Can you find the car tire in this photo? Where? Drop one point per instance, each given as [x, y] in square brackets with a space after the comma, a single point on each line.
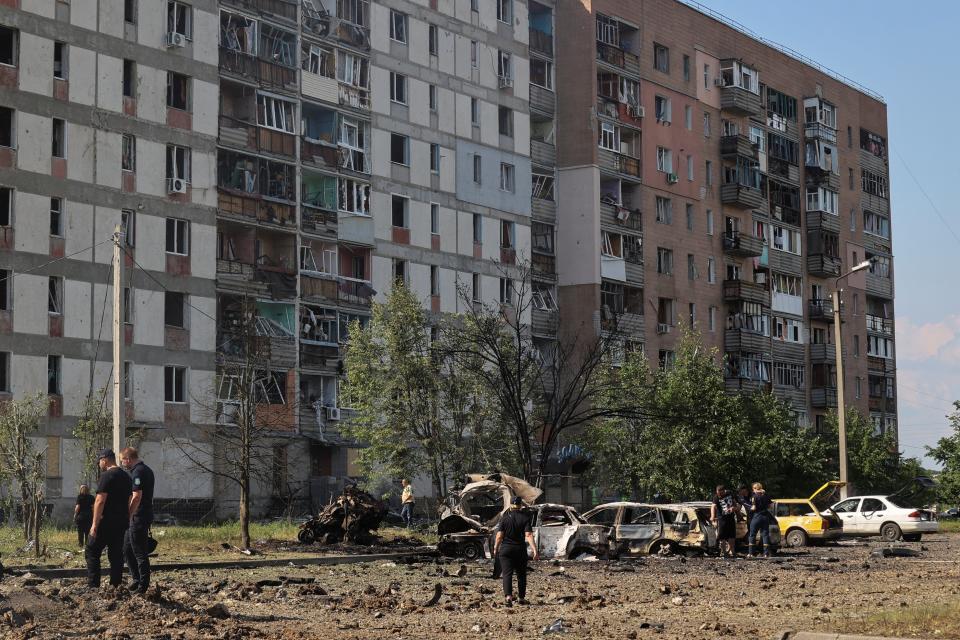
[890, 532]
[797, 538]
[912, 537]
[471, 551]
[662, 548]
[306, 536]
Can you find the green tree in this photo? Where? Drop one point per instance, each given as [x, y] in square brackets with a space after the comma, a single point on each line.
[94, 431]
[947, 454]
[874, 465]
[22, 461]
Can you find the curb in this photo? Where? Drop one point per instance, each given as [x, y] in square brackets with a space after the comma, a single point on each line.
[234, 564]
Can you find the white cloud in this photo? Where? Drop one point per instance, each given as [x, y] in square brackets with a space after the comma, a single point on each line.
[918, 342]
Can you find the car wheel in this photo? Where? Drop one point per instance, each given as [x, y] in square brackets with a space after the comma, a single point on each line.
[306, 536]
[472, 551]
[661, 548]
[913, 537]
[890, 532]
[797, 538]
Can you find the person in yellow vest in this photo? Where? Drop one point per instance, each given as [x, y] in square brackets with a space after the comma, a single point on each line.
[406, 503]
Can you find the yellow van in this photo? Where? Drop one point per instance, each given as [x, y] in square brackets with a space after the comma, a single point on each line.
[801, 520]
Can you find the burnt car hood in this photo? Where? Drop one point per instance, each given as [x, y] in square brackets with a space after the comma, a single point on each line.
[456, 523]
[520, 487]
[456, 519]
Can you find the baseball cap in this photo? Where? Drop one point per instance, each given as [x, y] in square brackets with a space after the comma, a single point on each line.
[106, 453]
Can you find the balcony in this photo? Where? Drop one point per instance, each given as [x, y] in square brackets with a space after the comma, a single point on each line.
[355, 292]
[823, 266]
[879, 286]
[740, 196]
[541, 42]
[544, 267]
[240, 277]
[540, 208]
[880, 365]
[256, 208]
[823, 397]
[280, 351]
[817, 177]
[543, 153]
[747, 341]
[821, 309]
[823, 221]
[736, 384]
[740, 101]
[738, 145]
[882, 405]
[286, 9]
[620, 217]
[742, 246]
[319, 356]
[323, 290]
[619, 58]
[783, 169]
[249, 68]
[820, 131]
[318, 221]
[877, 324]
[741, 290]
[542, 99]
[824, 353]
[618, 163]
[319, 154]
[543, 322]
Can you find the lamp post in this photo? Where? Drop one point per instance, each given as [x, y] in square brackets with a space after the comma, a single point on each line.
[841, 408]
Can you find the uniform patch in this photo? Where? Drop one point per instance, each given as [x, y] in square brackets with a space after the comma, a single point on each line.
[136, 481]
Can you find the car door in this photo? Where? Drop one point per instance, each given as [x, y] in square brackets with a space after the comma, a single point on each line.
[606, 517]
[552, 531]
[639, 525]
[849, 512]
[871, 516]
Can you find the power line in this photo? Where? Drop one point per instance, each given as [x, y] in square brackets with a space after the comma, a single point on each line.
[927, 196]
[54, 261]
[916, 390]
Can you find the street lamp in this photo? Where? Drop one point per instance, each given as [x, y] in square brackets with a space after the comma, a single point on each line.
[841, 409]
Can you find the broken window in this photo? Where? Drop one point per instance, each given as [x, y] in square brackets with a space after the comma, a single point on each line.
[399, 208]
[238, 33]
[173, 309]
[8, 46]
[54, 365]
[354, 71]
[277, 46]
[178, 236]
[399, 149]
[433, 36]
[788, 329]
[398, 88]
[128, 153]
[664, 261]
[876, 224]
[178, 91]
[236, 171]
[541, 237]
[6, 127]
[608, 30]
[504, 65]
[354, 11]
[274, 113]
[4, 369]
[873, 183]
[129, 79]
[874, 143]
[55, 295]
[505, 10]
[664, 209]
[398, 26]
[611, 299]
[179, 19]
[277, 180]
[127, 226]
[543, 297]
[640, 515]
[60, 60]
[506, 121]
[59, 139]
[174, 384]
[319, 61]
[354, 197]
[130, 11]
[353, 142]
[320, 191]
[781, 104]
[543, 186]
[662, 109]
[661, 58]
[56, 217]
[319, 325]
[507, 177]
[506, 291]
[611, 244]
[178, 163]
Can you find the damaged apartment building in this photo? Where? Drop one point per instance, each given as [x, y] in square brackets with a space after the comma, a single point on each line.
[289, 160]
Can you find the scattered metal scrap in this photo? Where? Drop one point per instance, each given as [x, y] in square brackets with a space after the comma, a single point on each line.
[351, 518]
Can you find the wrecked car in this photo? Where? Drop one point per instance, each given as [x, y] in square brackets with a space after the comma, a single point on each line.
[352, 517]
[805, 521]
[468, 526]
[639, 528]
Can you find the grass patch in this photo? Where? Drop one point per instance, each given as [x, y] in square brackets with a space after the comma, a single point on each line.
[935, 620]
[949, 526]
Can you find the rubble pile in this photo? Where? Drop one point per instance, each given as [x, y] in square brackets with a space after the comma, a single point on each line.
[350, 518]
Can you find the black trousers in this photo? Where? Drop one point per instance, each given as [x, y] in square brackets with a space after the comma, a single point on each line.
[83, 530]
[513, 559]
[109, 537]
[135, 551]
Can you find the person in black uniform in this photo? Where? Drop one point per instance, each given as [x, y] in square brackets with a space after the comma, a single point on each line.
[141, 517]
[510, 547]
[110, 519]
[83, 514]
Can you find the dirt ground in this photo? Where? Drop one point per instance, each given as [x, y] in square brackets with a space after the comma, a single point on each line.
[840, 587]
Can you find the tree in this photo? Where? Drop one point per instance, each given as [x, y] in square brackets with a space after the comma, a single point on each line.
[417, 403]
[545, 390]
[22, 461]
[236, 444]
[874, 465]
[947, 454]
[94, 431]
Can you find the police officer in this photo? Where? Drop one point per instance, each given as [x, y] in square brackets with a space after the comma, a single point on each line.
[141, 517]
[110, 519]
[513, 534]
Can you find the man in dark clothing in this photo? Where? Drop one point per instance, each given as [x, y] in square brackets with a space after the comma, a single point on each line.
[141, 517]
[83, 515]
[760, 521]
[513, 534]
[110, 519]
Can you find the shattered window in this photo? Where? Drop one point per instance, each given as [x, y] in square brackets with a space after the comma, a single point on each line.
[554, 518]
[278, 46]
[640, 515]
[238, 33]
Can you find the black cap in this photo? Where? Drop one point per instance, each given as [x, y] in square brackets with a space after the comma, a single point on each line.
[106, 453]
[517, 501]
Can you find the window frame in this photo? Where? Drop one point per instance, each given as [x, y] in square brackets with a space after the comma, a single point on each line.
[172, 21]
[175, 384]
[177, 230]
[399, 23]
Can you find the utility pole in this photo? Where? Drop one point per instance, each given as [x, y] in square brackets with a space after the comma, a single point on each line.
[118, 341]
[841, 409]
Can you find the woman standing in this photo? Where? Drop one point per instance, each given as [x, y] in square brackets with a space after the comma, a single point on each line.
[510, 546]
[723, 514]
[83, 514]
[760, 520]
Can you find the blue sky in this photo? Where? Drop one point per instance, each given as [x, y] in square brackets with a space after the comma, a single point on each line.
[900, 51]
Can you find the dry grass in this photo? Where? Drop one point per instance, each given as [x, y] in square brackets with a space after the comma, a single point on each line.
[949, 526]
[929, 621]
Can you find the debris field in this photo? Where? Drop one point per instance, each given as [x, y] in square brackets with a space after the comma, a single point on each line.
[815, 589]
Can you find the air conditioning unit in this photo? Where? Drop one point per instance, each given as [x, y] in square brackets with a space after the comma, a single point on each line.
[333, 413]
[637, 112]
[663, 328]
[175, 39]
[176, 185]
[718, 82]
[505, 81]
[672, 178]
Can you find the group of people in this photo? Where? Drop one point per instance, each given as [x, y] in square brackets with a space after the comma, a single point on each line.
[118, 519]
[754, 506]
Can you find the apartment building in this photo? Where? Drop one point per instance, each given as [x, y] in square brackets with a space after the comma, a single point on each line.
[108, 117]
[707, 178]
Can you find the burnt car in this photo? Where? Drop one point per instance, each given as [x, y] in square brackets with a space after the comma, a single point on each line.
[639, 528]
[468, 525]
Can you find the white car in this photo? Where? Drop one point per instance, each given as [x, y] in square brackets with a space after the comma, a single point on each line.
[886, 516]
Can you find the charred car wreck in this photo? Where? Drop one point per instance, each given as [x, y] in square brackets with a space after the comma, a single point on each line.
[468, 525]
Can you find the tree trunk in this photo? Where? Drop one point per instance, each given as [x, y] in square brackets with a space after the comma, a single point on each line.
[37, 514]
[245, 511]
